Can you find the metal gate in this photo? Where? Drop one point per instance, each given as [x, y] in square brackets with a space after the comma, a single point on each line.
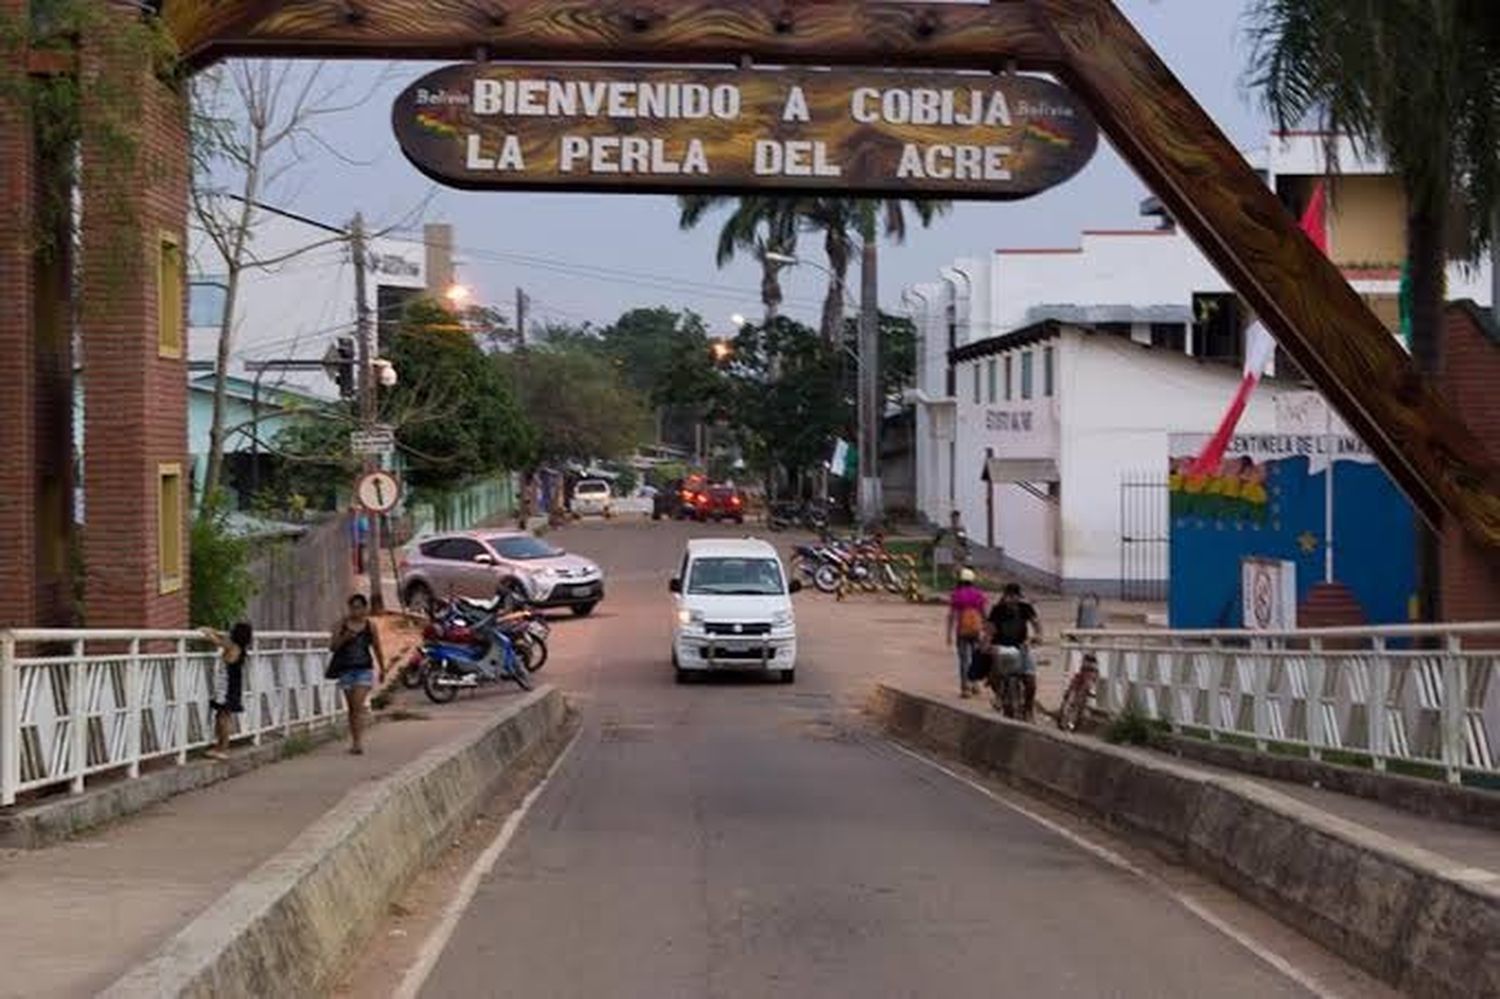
[1145, 542]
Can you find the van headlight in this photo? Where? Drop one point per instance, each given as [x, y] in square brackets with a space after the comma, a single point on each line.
[783, 620]
[689, 617]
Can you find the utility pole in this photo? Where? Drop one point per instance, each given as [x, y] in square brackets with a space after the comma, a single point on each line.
[366, 350]
[871, 507]
[521, 304]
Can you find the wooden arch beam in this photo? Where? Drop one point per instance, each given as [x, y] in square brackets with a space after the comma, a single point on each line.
[819, 32]
[1151, 118]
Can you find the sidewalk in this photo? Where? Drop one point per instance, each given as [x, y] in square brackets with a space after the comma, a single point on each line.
[80, 914]
[873, 639]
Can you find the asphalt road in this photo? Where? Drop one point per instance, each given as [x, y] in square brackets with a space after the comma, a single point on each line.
[745, 839]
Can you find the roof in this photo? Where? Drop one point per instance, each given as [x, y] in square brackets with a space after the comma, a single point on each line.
[1482, 317]
[244, 388]
[1047, 329]
[731, 547]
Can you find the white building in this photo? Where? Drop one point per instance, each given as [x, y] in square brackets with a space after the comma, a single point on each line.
[299, 306]
[1050, 379]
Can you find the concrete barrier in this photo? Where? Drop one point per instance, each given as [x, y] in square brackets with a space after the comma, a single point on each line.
[288, 927]
[1425, 924]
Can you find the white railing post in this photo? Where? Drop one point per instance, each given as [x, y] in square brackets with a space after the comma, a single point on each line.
[79, 733]
[180, 687]
[1215, 687]
[1455, 698]
[1316, 677]
[286, 690]
[1260, 665]
[10, 721]
[250, 682]
[133, 682]
[1380, 687]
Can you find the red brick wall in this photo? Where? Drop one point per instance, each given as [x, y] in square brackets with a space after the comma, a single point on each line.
[17, 355]
[1471, 383]
[135, 401]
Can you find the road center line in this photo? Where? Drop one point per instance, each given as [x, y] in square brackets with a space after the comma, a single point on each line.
[1114, 859]
[437, 941]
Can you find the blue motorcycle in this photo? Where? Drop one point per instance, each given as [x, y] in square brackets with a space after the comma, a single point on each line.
[449, 668]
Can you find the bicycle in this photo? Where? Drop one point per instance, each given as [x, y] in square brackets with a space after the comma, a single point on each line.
[1080, 691]
[1008, 681]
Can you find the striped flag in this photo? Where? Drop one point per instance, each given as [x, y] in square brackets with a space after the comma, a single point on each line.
[1260, 350]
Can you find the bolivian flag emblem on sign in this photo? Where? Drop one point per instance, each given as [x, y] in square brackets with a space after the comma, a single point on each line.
[1040, 130]
[437, 126]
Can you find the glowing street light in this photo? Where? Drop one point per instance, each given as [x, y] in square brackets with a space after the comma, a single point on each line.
[738, 320]
[721, 350]
[458, 294]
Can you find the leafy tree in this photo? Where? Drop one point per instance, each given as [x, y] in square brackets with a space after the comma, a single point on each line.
[455, 413]
[784, 396]
[577, 401]
[898, 353]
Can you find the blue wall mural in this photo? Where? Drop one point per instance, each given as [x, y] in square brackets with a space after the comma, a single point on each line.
[1267, 501]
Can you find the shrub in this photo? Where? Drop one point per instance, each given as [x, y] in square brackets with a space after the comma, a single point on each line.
[220, 564]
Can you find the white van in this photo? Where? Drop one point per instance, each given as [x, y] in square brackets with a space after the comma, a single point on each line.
[733, 610]
[593, 496]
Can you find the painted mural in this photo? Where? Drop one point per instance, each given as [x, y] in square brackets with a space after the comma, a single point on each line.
[1268, 500]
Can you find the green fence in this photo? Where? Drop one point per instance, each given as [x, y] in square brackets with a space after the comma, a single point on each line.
[462, 509]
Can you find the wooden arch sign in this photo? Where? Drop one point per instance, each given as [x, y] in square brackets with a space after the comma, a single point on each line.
[1086, 44]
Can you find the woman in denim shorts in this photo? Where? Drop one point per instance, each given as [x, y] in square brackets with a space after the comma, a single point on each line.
[356, 649]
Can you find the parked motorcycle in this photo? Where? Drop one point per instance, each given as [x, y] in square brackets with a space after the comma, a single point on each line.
[784, 516]
[450, 668]
[454, 622]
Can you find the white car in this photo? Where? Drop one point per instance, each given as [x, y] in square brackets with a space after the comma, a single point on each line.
[733, 610]
[593, 496]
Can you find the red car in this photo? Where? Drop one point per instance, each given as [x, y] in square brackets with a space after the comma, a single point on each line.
[719, 503]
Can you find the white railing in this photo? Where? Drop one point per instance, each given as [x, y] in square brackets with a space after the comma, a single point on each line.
[78, 703]
[1424, 694]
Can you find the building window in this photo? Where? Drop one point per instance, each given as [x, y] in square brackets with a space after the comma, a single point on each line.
[1027, 375]
[1169, 336]
[1048, 372]
[1010, 379]
[990, 377]
[169, 296]
[169, 524]
[977, 376]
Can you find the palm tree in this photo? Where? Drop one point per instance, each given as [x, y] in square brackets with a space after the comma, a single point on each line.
[847, 222]
[1419, 81]
[761, 225]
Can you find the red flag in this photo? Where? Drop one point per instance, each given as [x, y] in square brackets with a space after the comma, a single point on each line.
[1259, 349]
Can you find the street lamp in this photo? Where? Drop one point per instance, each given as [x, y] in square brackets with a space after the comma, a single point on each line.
[867, 360]
[458, 295]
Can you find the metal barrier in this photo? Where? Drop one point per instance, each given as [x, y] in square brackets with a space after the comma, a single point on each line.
[1422, 694]
[77, 703]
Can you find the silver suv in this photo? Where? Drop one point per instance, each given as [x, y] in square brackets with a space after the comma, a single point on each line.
[480, 564]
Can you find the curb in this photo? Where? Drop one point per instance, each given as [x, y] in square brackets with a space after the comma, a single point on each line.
[1415, 919]
[287, 928]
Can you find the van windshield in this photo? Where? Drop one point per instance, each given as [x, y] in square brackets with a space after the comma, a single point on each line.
[723, 576]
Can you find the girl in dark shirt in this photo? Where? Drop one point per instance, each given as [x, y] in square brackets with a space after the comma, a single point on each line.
[228, 694]
[356, 649]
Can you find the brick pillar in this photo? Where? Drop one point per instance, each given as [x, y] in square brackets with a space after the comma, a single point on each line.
[135, 394]
[17, 346]
[1471, 383]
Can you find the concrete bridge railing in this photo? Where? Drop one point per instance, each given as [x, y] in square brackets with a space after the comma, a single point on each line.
[79, 704]
[1426, 695]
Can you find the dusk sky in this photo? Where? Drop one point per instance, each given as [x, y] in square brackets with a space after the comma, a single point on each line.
[590, 257]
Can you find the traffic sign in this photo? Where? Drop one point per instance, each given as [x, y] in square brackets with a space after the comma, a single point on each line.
[378, 492]
[376, 440]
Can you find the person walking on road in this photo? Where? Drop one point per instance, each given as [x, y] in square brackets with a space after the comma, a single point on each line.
[356, 648]
[1014, 625]
[227, 697]
[965, 626]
